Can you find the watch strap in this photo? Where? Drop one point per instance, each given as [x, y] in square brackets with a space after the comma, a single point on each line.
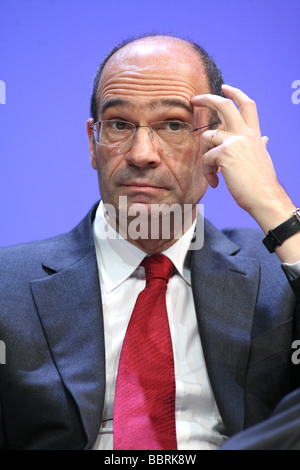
[284, 231]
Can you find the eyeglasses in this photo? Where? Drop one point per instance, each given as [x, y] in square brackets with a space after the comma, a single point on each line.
[119, 135]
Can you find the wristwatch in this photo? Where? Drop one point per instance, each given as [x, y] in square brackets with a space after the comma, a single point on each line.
[284, 231]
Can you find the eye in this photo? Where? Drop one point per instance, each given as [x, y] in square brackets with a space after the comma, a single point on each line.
[120, 125]
[174, 126]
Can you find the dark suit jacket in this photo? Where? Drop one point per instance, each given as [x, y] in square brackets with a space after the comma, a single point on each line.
[52, 385]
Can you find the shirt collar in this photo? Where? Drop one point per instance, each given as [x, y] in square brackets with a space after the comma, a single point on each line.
[118, 259]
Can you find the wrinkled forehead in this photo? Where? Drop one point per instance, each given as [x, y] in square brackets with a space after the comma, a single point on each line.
[152, 69]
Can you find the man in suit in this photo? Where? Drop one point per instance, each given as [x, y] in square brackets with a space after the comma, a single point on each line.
[66, 301]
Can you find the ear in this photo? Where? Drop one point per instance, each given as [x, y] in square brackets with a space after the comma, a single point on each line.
[91, 143]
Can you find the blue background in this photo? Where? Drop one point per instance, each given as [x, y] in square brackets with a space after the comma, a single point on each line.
[49, 53]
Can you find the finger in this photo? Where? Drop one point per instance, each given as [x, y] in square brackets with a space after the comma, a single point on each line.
[211, 177]
[213, 138]
[247, 107]
[211, 168]
[225, 108]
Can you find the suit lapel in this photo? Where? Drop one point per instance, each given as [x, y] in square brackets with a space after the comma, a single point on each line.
[225, 288]
[69, 306]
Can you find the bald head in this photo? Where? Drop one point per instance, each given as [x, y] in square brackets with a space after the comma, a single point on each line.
[166, 52]
[160, 48]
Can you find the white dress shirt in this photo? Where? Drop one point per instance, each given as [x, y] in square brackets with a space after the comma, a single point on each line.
[198, 422]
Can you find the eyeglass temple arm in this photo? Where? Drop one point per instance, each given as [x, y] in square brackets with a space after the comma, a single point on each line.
[208, 125]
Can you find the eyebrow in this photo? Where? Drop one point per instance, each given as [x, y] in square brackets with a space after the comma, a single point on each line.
[115, 102]
[170, 103]
[164, 102]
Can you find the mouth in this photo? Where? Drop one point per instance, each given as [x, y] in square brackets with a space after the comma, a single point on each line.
[144, 192]
[135, 184]
[143, 186]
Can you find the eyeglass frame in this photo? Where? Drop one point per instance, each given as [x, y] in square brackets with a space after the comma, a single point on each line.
[135, 127]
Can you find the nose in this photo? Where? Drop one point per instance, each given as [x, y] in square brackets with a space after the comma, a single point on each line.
[143, 152]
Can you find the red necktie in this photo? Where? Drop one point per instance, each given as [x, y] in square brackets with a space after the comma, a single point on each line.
[144, 409]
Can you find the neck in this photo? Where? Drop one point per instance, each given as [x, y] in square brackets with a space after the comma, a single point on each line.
[152, 247]
[154, 233]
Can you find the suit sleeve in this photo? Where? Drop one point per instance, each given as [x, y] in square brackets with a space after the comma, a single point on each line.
[292, 272]
[279, 432]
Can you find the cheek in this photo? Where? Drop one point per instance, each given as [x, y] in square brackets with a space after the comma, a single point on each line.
[188, 162]
[106, 167]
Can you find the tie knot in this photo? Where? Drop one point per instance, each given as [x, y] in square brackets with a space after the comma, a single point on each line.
[158, 267]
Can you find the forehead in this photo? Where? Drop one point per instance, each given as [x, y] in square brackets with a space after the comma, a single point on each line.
[152, 69]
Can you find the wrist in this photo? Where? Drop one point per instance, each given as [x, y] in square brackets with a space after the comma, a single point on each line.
[272, 213]
[278, 235]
